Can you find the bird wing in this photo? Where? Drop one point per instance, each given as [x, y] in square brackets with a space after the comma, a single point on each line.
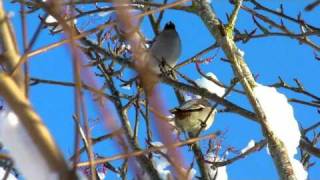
[189, 106]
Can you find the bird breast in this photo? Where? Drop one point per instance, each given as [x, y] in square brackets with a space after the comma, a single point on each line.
[167, 46]
[191, 121]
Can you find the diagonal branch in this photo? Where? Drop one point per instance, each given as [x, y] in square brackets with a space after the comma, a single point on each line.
[34, 126]
[9, 55]
[277, 149]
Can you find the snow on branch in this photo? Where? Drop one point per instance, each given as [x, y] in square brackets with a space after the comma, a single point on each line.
[217, 173]
[24, 134]
[280, 116]
[22, 149]
[211, 86]
[3, 174]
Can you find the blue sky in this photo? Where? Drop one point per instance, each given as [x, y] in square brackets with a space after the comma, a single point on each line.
[268, 57]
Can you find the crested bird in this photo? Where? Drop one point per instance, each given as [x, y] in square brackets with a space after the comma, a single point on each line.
[165, 50]
[193, 115]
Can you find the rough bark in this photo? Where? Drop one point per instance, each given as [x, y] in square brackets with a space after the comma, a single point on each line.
[224, 36]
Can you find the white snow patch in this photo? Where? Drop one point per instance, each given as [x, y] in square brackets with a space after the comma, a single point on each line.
[299, 171]
[303, 29]
[221, 172]
[267, 149]
[75, 21]
[250, 145]
[280, 116]
[22, 148]
[126, 87]
[51, 19]
[104, 13]
[209, 85]
[101, 174]
[159, 144]
[161, 164]
[240, 52]
[52, 23]
[3, 172]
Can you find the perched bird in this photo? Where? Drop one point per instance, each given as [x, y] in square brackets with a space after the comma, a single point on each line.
[165, 50]
[194, 115]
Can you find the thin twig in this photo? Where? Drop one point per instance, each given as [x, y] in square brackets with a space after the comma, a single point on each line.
[146, 151]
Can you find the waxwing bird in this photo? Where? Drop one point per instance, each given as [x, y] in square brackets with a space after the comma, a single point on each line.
[194, 115]
[165, 50]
